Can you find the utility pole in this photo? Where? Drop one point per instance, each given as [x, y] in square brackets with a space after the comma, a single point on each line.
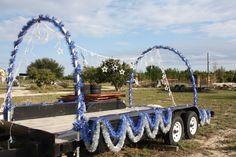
[207, 69]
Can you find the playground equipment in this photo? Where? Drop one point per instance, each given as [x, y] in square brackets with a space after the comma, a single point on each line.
[63, 127]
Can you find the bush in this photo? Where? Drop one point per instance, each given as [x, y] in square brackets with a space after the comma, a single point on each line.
[45, 71]
[33, 87]
[64, 84]
[16, 83]
[44, 88]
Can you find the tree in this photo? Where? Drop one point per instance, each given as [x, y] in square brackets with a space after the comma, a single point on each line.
[115, 72]
[69, 77]
[153, 73]
[230, 76]
[184, 75]
[45, 71]
[173, 73]
[45, 76]
[90, 74]
[220, 74]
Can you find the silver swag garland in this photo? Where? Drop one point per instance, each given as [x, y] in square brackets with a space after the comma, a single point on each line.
[206, 118]
[151, 133]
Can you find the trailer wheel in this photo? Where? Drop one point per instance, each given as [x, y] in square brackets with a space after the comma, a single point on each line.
[182, 88]
[176, 131]
[191, 124]
[176, 88]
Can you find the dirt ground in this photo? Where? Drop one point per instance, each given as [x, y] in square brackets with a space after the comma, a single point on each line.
[215, 145]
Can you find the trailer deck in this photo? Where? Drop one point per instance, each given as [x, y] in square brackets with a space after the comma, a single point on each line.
[60, 125]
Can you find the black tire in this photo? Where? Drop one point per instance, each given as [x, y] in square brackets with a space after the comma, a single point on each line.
[191, 124]
[169, 137]
[176, 88]
[182, 88]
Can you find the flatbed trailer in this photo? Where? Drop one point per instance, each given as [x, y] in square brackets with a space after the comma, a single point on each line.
[58, 129]
[54, 135]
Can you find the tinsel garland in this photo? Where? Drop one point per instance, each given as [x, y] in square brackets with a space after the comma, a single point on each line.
[195, 101]
[107, 138]
[90, 136]
[131, 134]
[136, 129]
[161, 119]
[121, 127]
[205, 116]
[91, 143]
[151, 133]
[77, 72]
[131, 88]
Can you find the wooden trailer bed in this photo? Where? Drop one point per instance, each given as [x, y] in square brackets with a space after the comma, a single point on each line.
[61, 126]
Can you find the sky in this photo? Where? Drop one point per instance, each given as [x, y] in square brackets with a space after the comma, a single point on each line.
[125, 28]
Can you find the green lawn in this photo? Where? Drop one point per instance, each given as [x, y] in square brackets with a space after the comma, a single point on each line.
[2, 88]
[34, 99]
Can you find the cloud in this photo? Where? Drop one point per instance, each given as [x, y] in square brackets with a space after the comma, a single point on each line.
[98, 25]
[183, 30]
[9, 29]
[213, 22]
[233, 41]
[82, 17]
[107, 17]
[220, 29]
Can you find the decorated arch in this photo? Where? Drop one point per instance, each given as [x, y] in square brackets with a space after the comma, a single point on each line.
[195, 96]
[71, 46]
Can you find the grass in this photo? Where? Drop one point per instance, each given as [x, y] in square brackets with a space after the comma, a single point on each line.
[33, 99]
[189, 144]
[230, 141]
[49, 88]
[2, 88]
[36, 99]
[222, 102]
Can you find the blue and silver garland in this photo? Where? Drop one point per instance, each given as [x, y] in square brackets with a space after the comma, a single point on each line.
[205, 116]
[195, 99]
[131, 81]
[161, 119]
[91, 134]
[77, 79]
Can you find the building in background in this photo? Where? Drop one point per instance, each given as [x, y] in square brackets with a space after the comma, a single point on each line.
[2, 75]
